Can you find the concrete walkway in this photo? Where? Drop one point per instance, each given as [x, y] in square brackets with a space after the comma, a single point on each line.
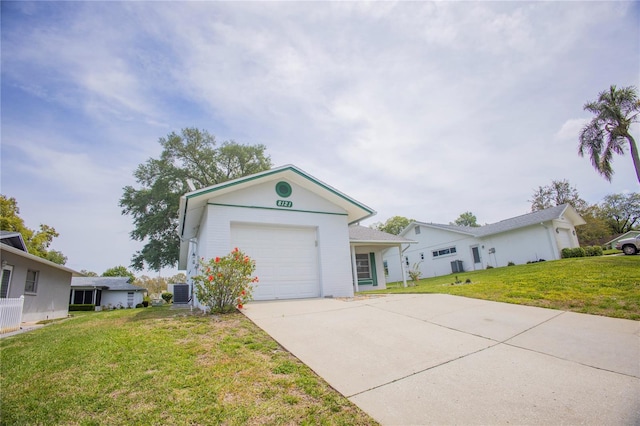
[440, 359]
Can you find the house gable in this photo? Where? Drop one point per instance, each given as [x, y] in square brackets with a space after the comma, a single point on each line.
[13, 239]
[283, 189]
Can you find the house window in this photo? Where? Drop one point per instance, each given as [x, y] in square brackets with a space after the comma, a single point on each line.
[31, 285]
[83, 297]
[6, 281]
[444, 251]
[363, 267]
[417, 228]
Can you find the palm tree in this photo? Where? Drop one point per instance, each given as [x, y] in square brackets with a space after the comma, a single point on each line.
[608, 132]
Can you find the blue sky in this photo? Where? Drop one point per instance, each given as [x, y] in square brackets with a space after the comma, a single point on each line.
[419, 109]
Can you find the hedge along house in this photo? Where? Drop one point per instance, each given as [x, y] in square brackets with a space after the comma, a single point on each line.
[294, 226]
[446, 249]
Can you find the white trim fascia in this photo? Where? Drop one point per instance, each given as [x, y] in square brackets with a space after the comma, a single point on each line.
[30, 256]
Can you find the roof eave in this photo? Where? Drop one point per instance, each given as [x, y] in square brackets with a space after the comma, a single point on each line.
[41, 260]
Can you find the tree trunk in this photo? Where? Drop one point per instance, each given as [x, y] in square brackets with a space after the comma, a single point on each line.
[634, 155]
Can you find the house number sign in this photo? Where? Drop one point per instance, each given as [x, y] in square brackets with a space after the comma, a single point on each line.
[284, 203]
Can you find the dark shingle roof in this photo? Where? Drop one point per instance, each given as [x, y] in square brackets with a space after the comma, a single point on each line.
[358, 233]
[510, 224]
[109, 283]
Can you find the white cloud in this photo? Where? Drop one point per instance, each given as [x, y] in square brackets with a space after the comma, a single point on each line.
[571, 129]
[423, 109]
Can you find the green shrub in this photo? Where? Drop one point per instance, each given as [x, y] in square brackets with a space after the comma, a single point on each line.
[415, 274]
[573, 252]
[145, 303]
[511, 264]
[578, 252]
[167, 297]
[82, 307]
[489, 267]
[140, 305]
[593, 251]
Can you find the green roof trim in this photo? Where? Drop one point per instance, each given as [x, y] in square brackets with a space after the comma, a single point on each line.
[276, 171]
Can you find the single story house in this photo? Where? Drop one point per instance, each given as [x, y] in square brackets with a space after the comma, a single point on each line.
[113, 292]
[446, 249]
[293, 225]
[629, 234]
[44, 284]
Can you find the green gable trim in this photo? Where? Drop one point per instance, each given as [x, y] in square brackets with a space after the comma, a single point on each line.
[275, 208]
[276, 171]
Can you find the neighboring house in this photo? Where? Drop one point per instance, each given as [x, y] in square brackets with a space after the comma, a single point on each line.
[446, 249]
[111, 292]
[293, 225]
[44, 284]
[628, 234]
[367, 247]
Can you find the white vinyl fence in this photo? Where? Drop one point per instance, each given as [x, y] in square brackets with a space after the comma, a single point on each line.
[10, 314]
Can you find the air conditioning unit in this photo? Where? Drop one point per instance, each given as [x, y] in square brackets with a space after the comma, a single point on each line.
[456, 266]
[181, 293]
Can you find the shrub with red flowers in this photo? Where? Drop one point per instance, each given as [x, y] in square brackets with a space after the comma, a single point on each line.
[225, 283]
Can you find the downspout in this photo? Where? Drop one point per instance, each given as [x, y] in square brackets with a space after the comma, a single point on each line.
[354, 270]
[192, 257]
[402, 266]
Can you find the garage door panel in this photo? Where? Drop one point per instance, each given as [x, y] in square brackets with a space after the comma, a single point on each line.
[286, 259]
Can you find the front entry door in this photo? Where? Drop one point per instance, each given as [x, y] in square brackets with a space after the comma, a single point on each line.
[477, 261]
[366, 268]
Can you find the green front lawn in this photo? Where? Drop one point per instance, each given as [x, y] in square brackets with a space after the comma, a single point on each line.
[606, 285]
[161, 366]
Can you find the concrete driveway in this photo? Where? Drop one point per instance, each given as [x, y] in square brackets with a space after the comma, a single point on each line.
[440, 359]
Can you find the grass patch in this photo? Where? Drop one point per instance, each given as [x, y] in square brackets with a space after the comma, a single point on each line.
[608, 286]
[161, 366]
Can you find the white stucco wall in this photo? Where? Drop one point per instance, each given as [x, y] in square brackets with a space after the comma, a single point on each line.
[52, 297]
[257, 205]
[114, 298]
[528, 244]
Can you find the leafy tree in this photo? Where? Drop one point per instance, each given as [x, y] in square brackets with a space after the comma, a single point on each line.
[88, 273]
[154, 285]
[177, 279]
[191, 156]
[37, 242]
[393, 225]
[559, 192]
[608, 132]
[466, 219]
[119, 271]
[596, 231]
[621, 212]
[56, 257]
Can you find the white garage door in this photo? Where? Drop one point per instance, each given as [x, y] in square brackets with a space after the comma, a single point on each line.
[564, 238]
[286, 259]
